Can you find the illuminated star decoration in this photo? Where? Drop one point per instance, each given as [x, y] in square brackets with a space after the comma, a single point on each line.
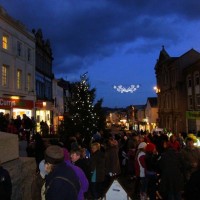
[122, 89]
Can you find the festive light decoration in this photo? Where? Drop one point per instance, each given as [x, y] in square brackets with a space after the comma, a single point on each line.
[122, 89]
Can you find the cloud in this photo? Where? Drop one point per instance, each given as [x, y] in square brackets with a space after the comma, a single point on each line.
[92, 28]
[83, 32]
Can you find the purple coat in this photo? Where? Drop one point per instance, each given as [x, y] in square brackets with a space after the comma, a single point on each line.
[82, 178]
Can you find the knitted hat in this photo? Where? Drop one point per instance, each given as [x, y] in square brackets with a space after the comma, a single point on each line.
[150, 147]
[142, 145]
[54, 154]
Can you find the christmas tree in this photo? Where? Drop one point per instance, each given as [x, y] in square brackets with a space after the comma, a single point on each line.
[84, 115]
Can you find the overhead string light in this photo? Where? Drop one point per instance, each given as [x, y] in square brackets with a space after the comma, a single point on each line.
[130, 89]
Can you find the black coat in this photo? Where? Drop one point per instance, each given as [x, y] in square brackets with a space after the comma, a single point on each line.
[62, 183]
[97, 162]
[171, 173]
[5, 184]
[192, 190]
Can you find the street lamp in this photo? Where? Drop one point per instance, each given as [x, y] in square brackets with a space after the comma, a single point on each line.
[156, 89]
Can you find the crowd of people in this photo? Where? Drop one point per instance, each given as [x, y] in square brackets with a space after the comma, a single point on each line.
[161, 166]
[166, 167]
[73, 171]
[24, 126]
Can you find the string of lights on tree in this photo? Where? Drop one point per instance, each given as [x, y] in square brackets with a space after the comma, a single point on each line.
[83, 109]
[129, 89]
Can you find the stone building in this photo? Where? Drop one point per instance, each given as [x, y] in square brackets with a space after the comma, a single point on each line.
[44, 79]
[171, 76]
[17, 63]
[192, 79]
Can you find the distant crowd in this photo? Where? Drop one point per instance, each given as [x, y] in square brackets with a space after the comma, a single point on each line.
[23, 126]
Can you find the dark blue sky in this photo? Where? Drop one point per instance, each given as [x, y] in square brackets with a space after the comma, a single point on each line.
[115, 41]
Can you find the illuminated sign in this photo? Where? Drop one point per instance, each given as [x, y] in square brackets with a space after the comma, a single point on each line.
[193, 115]
[7, 103]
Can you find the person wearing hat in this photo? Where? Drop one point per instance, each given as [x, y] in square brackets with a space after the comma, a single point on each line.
[61, 181]
[140, 170]
[151, 160]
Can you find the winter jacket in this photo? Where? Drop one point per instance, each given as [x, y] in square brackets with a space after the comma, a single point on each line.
[171, 177]
[5, 184]
[112, 164]
[97, 165]
[62, 183]
[191, 158]
[84, 184]
[140, 165]
[192, 191]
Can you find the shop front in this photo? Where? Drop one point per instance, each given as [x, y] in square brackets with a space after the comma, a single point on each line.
[43, 114]
[16, 106]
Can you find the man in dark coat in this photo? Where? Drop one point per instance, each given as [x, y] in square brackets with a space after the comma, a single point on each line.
[61, 181]
[5, 184]
[171, 173]
[192, 189]
[97, 167]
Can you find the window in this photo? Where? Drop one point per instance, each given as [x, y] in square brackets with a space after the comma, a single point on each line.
[190, 102]
[5, 42]
[4, 75]
[19, 48]
[196, 80]
[189, 82]
[19, 79]
[198, 101]
[29, 82]
[29, 54]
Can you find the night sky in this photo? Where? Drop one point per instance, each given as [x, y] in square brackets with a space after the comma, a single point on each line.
[116, 41]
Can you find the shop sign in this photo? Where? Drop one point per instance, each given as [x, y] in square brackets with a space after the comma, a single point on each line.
[39, 104]
[193, 114]
[6, 103]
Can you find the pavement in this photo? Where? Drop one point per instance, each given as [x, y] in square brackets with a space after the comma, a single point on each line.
[22, 148]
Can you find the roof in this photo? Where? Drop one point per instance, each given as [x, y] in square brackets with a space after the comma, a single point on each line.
[153, 101]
